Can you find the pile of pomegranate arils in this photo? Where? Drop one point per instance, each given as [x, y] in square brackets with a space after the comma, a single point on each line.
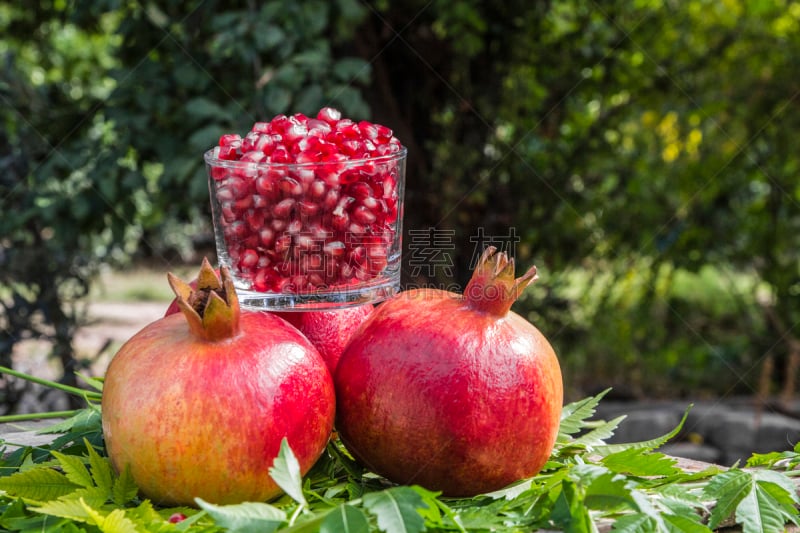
[307, 204]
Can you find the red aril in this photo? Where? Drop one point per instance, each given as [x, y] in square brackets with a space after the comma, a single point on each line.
[454, 393]
[295, 175]
[197, 403]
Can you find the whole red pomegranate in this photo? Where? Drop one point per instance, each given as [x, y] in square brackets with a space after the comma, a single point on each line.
[328, 331]
[454, 393]
[196, 404]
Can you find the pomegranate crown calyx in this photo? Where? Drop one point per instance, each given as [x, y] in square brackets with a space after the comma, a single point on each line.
[212, 308]
[493, 288]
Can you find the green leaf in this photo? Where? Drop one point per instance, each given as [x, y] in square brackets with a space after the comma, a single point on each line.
[248, 517]
[635, 523]
[575, 414]
[84, 420]
[39, 484]
[345, 519]
[651, 444]
[73, 506]
[727, 489]
[598, 435]
[285, 471]
[758, 512]
[74, 469]
[639, 462]
[396, 509]
[684, 524]
[569, 512]
[117, 522]
[124, 489]
[102, 474]
[609, 492]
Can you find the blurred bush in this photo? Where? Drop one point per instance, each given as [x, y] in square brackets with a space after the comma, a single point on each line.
[641, 152]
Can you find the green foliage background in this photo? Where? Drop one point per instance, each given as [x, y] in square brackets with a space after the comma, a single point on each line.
[642, 150]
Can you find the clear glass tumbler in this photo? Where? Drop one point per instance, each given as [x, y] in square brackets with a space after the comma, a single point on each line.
[318, 235]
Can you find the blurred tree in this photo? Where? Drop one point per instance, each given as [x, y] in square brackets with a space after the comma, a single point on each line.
[642, 151]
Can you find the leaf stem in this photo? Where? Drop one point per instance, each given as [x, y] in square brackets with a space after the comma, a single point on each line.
[88, 395]
[37, 416]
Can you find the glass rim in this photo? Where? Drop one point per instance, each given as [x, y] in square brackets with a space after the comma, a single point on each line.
[209, 158]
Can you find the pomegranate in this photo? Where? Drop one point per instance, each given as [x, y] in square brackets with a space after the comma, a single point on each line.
[307, 204]
[455, 393]
[196, 404]
[328, 331]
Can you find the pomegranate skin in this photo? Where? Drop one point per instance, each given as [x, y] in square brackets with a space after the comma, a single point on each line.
[206, 419]
[432, 392]
[329, 331]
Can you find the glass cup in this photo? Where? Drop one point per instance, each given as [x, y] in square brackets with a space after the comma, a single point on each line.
[318, 235]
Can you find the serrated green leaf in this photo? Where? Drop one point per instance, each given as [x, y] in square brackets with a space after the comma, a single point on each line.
[598, 435]
[781, 480]
[345, 519]
[608, 492]
[124, 488]
[569, 512]
[74, 469]
[684, 524]
[117, 522]
[84, 420]
[102, 474]
[727, 489]
[575, 414]
[396, 509]
[38, 484]
[640, 462]
[635, 523]
[72, 506]
[651, 444]
[248, 517]
[758, 512]
[285, 471]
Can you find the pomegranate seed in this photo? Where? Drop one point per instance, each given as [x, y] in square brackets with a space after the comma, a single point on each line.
[280, 155]
[295, 132]
[363, 215]
[230, 139]
[331, 200]
[283, 243]
[228, 153]
[176, 517]
[259, 202]
[318, 128]
[329, 115]
[284, 208]
[294, 227]
[304, 242]
[334, 248]
[267, 236]
[260, 127]
[279, 224]
[291, 186]
[340, 221]
[384, 133]
[308, 209]
[317, 189]
[368, 130]
[248, 259]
